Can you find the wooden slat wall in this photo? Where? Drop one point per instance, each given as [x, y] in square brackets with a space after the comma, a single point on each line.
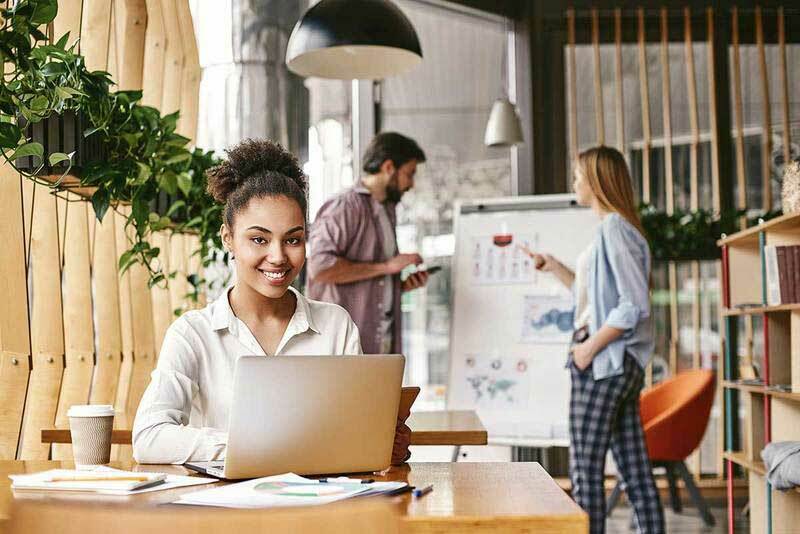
[14, 329]
[47, 334]
[154, 47]
[126, 328]
[93, 335]
[190, 83]
[107, 309]
[173, 58]
[162, 306]
[78, 326]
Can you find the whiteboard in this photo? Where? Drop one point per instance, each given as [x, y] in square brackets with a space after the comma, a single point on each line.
[511, 324]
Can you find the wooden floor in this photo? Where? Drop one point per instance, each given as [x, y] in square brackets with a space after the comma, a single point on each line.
[687, 522]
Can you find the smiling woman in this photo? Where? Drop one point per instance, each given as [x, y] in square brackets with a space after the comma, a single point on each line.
[184, 413]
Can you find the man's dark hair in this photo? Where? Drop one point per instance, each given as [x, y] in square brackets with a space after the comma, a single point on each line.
[392, 146]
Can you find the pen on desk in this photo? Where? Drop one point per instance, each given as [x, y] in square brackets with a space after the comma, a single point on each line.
[422, 491]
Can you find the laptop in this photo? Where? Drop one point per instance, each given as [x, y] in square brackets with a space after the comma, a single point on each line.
[310, 415]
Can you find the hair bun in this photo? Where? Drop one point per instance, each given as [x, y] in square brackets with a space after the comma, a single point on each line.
[252, 157]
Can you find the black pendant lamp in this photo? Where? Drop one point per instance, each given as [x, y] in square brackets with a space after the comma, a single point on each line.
[353, 39]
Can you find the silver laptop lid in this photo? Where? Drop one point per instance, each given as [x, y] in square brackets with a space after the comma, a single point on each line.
[313, 414]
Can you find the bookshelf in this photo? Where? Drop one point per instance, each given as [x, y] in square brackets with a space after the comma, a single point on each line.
[769, 414]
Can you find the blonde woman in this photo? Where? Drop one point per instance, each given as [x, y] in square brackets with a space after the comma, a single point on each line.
[613, 343]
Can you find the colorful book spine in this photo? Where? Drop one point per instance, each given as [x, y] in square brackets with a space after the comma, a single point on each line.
[783, 274]
[796, 272]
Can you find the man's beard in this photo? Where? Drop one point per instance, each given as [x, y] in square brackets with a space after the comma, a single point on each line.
[393, 193]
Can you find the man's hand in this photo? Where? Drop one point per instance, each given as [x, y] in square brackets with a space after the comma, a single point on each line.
[415, 281]
[401, 261]
[402, 439]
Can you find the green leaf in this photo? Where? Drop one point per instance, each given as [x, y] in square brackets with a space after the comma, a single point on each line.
[44, 11]
[178, 158]
[124, 259]
[169, 182]
[155, 280]
[100, 203]
[9, 135]
[62, 43]
[28, 149]
[39, 103]
[185, 183]
[144, 173]
[63, 94]
[57, 157]
[175, 207]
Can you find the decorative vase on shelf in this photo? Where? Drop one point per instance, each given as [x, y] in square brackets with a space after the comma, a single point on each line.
[791, 188]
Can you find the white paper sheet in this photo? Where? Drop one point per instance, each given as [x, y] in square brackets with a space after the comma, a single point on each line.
[283, 490]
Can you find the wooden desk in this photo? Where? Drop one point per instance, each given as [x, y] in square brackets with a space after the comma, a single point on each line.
[427, 428]
[447, 428]
[467, 497]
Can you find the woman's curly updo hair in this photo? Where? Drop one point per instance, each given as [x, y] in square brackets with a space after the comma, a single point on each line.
[256, 168]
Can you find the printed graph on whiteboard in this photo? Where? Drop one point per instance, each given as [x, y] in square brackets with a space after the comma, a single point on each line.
[498, 259]
[547, 319]
[498, 382]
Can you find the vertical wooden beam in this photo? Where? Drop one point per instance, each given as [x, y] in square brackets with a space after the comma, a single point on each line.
[162, 306]
[766, 134]
[154, 49]
[190, 84]
[669, 187]
[47, 333]
[693, 195]
[599, 113]
[712, 115]
[143, 337]
[173, 58]
[126, 328]
[738, 114]
[68, 20]
[78, 325]
[14, 326]
[107, 309]
[667, 111]
[620, 107]
[787, 134]
[178, 287]
[645, 97]
[573, 90]
[130, 22]
[193, 265]
[95, 33]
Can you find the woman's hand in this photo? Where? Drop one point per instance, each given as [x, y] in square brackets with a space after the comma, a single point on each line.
[549, 264]
[402, 439]
[542, 262]
[583, 354]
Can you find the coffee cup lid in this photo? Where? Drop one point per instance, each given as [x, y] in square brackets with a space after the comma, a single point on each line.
[90, 410]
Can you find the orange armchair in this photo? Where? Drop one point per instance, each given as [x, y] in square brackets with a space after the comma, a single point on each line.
[674, 417]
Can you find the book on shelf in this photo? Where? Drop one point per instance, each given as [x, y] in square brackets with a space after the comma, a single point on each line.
[783, 274]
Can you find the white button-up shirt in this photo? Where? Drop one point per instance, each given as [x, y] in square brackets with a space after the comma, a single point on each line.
[184, 412]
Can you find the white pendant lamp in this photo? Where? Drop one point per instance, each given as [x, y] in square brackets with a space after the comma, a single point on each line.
[353, 39]
[504, 127]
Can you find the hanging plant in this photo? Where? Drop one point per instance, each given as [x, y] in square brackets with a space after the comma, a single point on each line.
[691, 235]
[128, 153]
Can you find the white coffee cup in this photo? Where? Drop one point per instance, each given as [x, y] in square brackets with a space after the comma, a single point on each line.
[90, 426]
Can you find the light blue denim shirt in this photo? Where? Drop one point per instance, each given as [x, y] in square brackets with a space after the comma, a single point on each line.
[618, 293]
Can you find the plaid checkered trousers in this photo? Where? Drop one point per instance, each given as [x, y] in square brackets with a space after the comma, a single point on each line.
[605, 413]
